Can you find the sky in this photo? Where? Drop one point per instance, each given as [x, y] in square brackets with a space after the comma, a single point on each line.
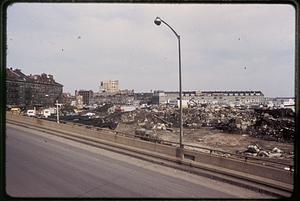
[223, 46]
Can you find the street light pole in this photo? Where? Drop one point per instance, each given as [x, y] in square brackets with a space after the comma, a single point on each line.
[180, 95]
[158, 21]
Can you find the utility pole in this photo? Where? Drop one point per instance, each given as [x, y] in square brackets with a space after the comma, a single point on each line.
[57, 111]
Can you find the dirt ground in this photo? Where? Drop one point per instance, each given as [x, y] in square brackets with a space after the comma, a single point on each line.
[215, 139]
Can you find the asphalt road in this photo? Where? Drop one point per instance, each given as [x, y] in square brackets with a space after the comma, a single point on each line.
[41, 165]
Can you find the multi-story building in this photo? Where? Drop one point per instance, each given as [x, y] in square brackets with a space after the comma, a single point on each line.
[144, 98]
[211, 97]
[67, 98]
[114, 98]
[110, 86]
[86, 95]
[31, 90]
[282, 102]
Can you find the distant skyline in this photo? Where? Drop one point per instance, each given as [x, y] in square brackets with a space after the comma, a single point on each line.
[224, 47]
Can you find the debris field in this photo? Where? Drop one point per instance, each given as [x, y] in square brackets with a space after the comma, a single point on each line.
[259, 132]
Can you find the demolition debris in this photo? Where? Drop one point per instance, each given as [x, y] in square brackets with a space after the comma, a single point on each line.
[267, 124]
[221, 127]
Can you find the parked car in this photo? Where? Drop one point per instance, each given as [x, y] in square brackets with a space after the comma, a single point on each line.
[31, 113]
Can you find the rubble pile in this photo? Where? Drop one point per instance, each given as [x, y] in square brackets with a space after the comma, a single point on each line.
[255, 150]
[277, 113]
[104, 108]
[109, 121]
[147, 135]
[268, 124]
[220, 118]
[269, 128]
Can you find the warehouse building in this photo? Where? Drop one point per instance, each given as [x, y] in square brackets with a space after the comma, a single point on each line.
[210, 97]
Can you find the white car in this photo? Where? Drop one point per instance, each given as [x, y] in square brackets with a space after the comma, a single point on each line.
[30, 113]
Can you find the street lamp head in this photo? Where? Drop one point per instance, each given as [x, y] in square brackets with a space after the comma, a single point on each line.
[157, 21]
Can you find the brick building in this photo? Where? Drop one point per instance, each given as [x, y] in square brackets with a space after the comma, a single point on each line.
[31, 90]
[87, 95]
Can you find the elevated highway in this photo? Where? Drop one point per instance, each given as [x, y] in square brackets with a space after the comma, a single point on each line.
[159, 154]
[43, 165]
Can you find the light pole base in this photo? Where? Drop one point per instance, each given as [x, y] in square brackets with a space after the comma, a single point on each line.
[180, 153]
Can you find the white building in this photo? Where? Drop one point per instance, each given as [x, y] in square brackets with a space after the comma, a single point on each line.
[79, 101]
[110, 86]
[211, 97]
[285, 102]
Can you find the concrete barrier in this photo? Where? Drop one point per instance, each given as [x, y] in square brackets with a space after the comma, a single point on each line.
[243, 166]
[218, 161]
[101, 134]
